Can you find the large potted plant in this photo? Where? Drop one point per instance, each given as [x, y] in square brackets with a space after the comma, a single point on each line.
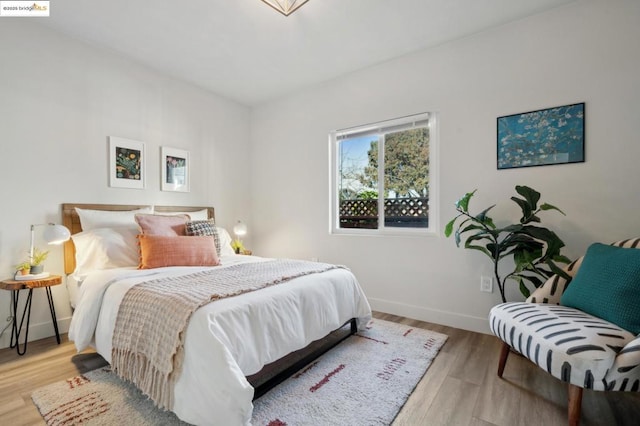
[535, 250]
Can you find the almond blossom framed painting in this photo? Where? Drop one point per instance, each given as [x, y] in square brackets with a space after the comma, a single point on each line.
[543, 137]
[175, 165]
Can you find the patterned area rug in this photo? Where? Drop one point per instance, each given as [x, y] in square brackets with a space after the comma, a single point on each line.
[365, 380]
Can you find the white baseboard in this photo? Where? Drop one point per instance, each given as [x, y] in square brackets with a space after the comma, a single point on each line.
[36, 331]
[451, 319]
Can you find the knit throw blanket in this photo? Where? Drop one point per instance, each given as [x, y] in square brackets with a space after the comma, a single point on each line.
[148, 339]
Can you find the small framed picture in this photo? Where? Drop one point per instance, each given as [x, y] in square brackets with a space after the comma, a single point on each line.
[174, 164]
[126, 163]
[539, 138]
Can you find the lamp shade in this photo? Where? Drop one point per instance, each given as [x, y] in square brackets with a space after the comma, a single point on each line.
[240, 229]
[55, 234]
[52, 234]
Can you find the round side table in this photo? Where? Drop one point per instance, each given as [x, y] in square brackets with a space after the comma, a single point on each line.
[15, 286]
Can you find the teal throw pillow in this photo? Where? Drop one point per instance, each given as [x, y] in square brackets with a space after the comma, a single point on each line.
[607, 286]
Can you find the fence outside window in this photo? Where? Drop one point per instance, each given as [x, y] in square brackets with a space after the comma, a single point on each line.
[407, 212]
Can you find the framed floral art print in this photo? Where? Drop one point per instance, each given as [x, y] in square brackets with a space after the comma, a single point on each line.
[126, 163]
[175, 165]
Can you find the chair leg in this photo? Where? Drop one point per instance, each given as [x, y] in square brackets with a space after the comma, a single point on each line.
[504, 354]
[575, 404]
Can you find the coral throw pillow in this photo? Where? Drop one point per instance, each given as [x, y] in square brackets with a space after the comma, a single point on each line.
[157, 251]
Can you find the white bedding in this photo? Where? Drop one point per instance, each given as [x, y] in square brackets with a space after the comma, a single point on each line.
[230, 338]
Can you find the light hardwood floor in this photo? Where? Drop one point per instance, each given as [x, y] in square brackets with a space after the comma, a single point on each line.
[460, 387]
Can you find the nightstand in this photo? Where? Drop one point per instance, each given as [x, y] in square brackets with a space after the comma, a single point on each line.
[15, 286]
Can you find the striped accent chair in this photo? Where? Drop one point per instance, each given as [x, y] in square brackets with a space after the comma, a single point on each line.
[580, 349]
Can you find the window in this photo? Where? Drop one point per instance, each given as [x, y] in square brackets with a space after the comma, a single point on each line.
[382, 177]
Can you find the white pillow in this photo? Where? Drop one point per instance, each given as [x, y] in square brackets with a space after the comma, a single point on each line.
[197, 215]
[92, 219]
[105, 248]
[225, 242]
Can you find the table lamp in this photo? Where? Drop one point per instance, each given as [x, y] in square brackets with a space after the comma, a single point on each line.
[52, 234]
[240, 229]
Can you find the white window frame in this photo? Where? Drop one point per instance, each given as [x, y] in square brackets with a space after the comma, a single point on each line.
[387, 126]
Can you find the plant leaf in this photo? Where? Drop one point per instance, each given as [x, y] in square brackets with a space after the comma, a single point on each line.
[524, 290]
[497, 250]
[531, 195]
[479, 248]
[449, 228]
[547, 206]
[489, 222]
[472, 227]
[536, 281]
[463, 203]
[482, 216]
[534, 218]
[477, 238]
[561, 258]
[525, 207]
[558, 271]
[512, 228]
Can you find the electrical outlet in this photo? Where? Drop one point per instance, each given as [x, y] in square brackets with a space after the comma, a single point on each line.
[314, 259]
[486, 284]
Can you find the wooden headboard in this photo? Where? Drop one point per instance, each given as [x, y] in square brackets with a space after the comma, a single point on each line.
[71, 220]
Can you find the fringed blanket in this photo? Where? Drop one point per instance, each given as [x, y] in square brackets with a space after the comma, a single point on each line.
[148, 340]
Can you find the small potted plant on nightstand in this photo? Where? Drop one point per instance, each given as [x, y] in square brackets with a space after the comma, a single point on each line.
[237, 246]
[23, 268]
[36, 261]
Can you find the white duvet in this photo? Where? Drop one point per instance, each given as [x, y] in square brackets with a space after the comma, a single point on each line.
[228, 339]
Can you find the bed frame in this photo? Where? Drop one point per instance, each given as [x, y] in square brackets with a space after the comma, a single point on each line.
[272, 374]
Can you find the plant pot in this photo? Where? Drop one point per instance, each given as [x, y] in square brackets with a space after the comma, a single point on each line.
[24, 271]
[37, 269]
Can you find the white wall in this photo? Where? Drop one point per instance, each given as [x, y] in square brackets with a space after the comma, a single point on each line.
[59, 101]
[584, 52]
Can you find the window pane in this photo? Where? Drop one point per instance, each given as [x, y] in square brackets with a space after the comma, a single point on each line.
[380, 180]
[358, 182]
[406, 179]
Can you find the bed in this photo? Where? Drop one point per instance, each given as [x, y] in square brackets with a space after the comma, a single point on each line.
[227, 342]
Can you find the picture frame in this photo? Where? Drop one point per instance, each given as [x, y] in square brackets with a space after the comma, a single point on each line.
[174, 166]
[542, 137]
[126, 163]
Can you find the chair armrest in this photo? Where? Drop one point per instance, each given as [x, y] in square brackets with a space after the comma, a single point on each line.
[626, 367]
[554, 287]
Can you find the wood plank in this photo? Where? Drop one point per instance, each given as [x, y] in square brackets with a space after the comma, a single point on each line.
[415, 410]
[453, 404]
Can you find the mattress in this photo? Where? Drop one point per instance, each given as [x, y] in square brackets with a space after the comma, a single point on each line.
[230, 338]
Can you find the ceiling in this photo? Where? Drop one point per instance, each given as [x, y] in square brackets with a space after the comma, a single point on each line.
[246, 51]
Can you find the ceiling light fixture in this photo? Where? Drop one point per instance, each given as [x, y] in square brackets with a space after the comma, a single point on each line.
[286, 7]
